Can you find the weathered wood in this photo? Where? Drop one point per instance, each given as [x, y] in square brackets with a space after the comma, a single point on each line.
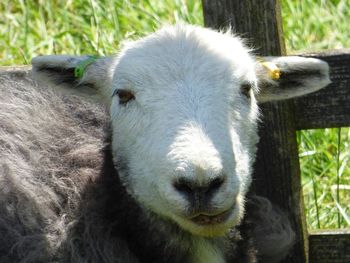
[330, 246]
[248, 18]
[277, 172]
[23, 68]
[13, 70]
[330, 107]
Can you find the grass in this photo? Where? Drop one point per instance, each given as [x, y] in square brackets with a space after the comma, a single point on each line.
[32, 27]
[325, 166]
[316, 24]
[324, 154]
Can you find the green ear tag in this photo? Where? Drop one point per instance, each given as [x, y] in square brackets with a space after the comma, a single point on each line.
[80, 68]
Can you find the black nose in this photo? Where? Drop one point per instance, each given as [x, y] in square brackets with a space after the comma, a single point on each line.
[198, 192]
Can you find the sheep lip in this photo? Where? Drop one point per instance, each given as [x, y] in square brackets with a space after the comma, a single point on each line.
[203, 219]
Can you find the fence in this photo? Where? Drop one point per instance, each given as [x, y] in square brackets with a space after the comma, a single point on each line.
[277, 170]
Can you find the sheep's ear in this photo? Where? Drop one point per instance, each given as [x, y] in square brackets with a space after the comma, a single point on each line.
[81, 74]
[287, 77]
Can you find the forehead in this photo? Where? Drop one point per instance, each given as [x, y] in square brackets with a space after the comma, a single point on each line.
[184, 54]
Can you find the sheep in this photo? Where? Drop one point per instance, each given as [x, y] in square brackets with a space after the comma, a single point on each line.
[145, 156]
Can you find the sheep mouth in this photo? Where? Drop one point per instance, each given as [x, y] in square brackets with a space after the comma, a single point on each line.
[203, 219]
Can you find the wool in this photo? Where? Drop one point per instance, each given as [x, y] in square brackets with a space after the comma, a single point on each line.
[50, 149]
[86, 176]
[61, 197]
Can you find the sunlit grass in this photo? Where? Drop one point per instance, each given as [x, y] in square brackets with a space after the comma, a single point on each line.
[324, 154]
[32, 27]
[316, 24]
[29, 28]
[325, 166]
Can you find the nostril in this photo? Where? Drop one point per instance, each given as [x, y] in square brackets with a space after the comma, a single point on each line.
[215, 184]
[184, 186]
[190, 188]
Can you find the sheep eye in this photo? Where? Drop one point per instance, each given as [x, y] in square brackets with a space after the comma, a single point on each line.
[124, 96]
[245, 89]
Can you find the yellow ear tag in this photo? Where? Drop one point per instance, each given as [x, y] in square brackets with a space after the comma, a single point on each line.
[273, 70]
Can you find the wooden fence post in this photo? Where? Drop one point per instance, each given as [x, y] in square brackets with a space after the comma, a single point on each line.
[277, 172]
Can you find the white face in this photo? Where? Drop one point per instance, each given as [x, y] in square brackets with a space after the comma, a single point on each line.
[184, 127]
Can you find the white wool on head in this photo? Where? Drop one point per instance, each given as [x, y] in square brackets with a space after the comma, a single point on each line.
[189, 114]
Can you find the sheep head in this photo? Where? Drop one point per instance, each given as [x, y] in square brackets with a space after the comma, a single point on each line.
[184, 111]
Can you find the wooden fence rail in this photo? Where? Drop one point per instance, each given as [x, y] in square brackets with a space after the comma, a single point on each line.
[277, 170]
[330, 107]
[332, 246]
